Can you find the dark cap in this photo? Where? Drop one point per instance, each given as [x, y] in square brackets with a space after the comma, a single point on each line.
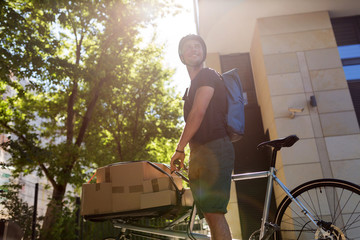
[192, 37]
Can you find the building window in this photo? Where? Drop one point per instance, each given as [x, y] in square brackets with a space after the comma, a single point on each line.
[347, 35]
[350, 57]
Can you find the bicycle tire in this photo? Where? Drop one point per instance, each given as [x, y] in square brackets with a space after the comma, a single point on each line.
[330, 200]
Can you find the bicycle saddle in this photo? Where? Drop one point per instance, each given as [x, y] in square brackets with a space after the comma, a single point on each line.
[279, 143]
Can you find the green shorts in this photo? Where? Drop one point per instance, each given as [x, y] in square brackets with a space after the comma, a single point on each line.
[210, 170]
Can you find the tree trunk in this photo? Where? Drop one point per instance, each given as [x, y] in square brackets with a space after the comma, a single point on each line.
[53, 212]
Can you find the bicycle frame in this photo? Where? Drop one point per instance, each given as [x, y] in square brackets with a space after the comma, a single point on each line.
[236, 177]
[255, 175]
[270, 175]
[167, 232]
[267, 229]
[271, 178]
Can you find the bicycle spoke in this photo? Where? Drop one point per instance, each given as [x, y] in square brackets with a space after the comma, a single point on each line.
[356, 220]
[311, 206]
[318, 201]
[334, 203]
[338, 205]
[295, 221]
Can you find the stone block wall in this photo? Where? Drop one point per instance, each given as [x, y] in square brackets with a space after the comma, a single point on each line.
[293, 58]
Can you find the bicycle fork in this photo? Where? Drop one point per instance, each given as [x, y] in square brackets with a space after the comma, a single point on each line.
[264, 233]
[304, 210]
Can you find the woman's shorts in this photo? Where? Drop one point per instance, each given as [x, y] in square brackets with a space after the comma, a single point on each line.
[210, 170]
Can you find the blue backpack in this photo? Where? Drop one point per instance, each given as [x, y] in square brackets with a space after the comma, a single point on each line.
[235, 113]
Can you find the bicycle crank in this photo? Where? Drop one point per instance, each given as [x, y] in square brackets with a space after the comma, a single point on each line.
[270, 228]
[331, 233]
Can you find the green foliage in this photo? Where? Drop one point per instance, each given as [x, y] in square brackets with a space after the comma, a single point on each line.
[139, 118]
[99, 230]
[78, 90]
[16, 209]
[67, 224]
[91, 69]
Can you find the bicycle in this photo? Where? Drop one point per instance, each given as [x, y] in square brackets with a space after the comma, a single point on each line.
[322, 209]
[303, 213]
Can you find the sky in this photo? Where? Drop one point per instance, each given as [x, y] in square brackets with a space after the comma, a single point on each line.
[169, 32]
[172, 28]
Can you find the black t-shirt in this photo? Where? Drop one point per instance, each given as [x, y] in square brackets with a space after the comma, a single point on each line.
[213, 125]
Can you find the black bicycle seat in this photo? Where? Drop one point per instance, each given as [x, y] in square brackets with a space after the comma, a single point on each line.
[279, 143]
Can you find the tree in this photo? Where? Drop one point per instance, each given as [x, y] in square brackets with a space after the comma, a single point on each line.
[83, 93]
[136, 113]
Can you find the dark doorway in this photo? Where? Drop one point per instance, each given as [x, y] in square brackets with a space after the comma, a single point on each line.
[250, 193]
[347, 35]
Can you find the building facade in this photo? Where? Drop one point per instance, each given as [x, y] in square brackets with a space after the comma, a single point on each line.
[291, 67]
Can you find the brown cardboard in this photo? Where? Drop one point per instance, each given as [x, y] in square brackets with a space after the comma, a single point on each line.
[96, 198]
[187, 198]
[128, 189]
[128, 173]
[157, 199]
[103, 175]
[163, 167]
[162, 184]
[166, 169]
[123, 202]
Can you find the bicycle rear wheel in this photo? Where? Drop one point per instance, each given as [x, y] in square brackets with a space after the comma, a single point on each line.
[335, 204]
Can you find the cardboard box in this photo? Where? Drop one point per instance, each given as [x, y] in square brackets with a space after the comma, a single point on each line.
[163, 167]
[166, 169]
[162, 184]
[158, 199]
[96, 198]
[187, 198]
[128, 173]
[122, 202]
[128, 189]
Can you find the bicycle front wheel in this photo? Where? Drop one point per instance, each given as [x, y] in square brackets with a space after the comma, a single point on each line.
[334, 205]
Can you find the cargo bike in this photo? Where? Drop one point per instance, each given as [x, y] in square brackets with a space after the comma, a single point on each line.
[323, 209]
